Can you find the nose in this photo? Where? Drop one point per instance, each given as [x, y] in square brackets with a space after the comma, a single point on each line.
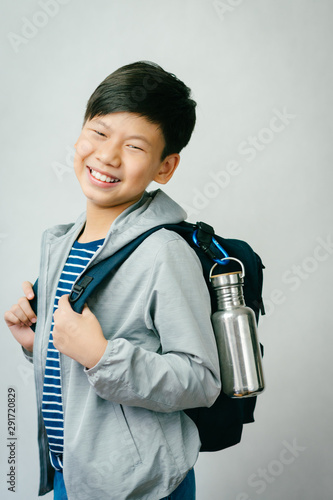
[109, 154]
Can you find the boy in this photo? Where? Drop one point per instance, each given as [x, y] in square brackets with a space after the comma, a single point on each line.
[112, 382]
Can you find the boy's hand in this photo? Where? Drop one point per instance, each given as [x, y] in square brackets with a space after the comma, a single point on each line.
[20, 317]
[79, 336]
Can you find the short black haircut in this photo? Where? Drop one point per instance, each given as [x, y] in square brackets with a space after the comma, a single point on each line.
[146, 89]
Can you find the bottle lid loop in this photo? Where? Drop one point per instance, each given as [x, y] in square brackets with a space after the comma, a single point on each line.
[228, 258]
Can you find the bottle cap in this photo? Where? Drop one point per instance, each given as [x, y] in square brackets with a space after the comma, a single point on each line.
[227, 279]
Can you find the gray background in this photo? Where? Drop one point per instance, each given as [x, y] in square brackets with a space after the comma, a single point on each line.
[247, 62]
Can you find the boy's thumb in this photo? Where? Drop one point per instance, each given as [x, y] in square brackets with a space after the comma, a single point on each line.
[86, 310]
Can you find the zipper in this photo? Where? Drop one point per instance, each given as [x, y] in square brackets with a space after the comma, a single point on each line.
[41, 308]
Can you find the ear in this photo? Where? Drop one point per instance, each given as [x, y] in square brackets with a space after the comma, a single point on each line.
[167, 168]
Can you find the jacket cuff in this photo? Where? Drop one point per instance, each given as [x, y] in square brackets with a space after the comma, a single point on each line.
[28, 355]
[91, 372]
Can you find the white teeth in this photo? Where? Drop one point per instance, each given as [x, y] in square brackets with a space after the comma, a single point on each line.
[102, 177]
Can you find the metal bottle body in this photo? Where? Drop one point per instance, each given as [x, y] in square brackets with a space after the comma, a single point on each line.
[237, 340]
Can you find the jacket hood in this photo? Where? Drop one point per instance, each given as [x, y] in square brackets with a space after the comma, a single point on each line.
[153, 209]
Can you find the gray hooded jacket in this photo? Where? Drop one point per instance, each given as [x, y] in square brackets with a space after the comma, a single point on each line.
[125, 434]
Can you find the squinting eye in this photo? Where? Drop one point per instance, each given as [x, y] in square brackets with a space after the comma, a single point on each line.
[99, 133]
[134, 147]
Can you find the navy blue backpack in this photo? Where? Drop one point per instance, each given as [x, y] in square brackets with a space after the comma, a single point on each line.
[221, 425]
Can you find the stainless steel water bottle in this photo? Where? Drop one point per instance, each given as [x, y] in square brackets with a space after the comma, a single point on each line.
[236, 336]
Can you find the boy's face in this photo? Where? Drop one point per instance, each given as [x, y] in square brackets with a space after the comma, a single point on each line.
[117, 156]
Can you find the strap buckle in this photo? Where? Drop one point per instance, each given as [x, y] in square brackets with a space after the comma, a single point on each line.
[79, 288]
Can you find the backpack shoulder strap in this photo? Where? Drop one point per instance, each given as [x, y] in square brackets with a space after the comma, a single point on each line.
[92, 278]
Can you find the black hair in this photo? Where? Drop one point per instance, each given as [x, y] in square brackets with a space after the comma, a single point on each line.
[146, 89]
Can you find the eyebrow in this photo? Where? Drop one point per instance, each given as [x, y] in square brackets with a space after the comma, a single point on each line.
[102, 123]
[140, 137]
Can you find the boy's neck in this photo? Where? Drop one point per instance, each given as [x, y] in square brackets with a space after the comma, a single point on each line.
[98, 222]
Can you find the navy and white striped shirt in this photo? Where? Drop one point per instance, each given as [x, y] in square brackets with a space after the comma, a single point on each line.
[52, 408]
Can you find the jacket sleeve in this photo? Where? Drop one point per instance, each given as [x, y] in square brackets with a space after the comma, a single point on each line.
[185, 372]
[27, 354]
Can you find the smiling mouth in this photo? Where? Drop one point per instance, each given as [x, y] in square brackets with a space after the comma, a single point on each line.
[103, 177]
